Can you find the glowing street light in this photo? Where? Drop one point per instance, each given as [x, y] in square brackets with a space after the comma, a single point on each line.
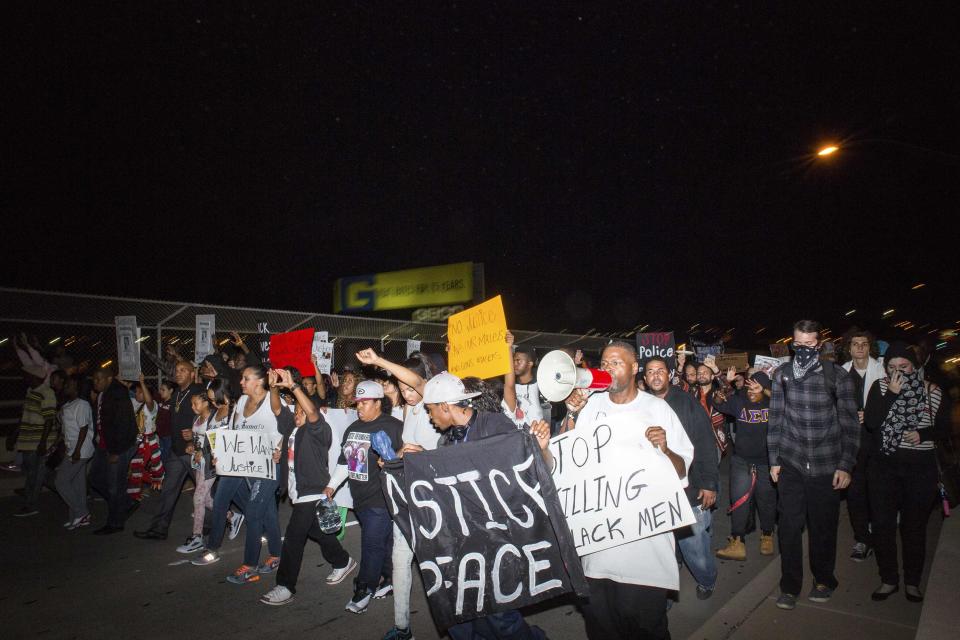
[828, 150]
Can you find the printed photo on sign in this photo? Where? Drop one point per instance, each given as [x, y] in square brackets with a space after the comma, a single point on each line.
[356, 451]
[339, 421]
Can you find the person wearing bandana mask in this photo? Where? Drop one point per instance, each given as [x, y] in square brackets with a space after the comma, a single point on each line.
[813, 435]
[905, 415]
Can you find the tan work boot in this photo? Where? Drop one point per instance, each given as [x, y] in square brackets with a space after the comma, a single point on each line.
[766, 544]
[735, 549]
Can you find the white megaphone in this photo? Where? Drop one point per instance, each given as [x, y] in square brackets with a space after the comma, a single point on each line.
[558, 375]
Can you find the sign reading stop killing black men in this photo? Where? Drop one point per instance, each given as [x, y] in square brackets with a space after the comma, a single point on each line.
[485, 524]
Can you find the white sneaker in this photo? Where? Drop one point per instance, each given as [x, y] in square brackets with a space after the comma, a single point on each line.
[385, 589]
[193, 543]
[207, 558]
[277, 596]
[337, 575]
[235, 523]
[361, 598]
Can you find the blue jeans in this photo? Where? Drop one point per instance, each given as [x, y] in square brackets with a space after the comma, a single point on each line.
[505, 625]
[166, 446]
[376, 547]
[109, 479]
[262, 520]
[229, 489]
[695, 546]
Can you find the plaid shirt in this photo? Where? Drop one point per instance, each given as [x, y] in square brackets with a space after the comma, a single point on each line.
[807, 429]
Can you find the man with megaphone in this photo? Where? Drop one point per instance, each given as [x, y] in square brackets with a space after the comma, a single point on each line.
[628, 583]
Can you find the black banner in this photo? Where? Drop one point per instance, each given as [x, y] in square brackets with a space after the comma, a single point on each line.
[660, 344]
[485, 523]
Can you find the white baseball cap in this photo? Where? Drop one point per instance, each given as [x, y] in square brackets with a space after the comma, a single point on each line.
[445, 387]
[368, 390]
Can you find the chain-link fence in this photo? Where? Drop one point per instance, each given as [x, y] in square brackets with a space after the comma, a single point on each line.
[77, 332]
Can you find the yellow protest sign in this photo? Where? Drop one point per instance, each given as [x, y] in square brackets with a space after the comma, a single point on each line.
[478, 345]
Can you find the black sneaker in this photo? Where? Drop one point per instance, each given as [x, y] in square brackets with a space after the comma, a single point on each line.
[360, 600]
[820, 593]
[704, 593]
[398, 634]
[861, 551]
[787, 601]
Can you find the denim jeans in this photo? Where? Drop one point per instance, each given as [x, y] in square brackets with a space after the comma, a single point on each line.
[262, 520]
[109, 479]
[402, 579]
[505, 625]
[166, 447]
[695, 547]
[229, 489]
[376, 546]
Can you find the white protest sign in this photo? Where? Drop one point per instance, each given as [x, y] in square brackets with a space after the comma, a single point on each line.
[128, 348]
[615, 487]
[203, 341]
[243, 452]
[322, 349]
[766, 364]
[412, 346]
[339, 420]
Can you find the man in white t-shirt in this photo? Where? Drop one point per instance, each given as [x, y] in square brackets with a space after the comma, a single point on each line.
[629, 583]
[524, 407]
[76, 418]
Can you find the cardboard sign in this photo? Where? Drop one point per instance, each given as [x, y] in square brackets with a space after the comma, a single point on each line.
[478, 343]
[128, 348]
[614, 487]
[766, 364]
[203, 341]
[780, 351]
[246, 453]
[484, 522]
[263, 341]
[292, 349]
[339, 420]
[739, 360]
[661, 344]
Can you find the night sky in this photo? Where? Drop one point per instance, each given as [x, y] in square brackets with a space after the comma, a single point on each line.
[648, 163]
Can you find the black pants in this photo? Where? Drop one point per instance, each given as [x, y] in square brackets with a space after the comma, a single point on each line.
[858, 498]
[109, 479]
[910, 489]
[764, 497]
[811, 501]
[175, 472]
[617, 610]
[303, 524]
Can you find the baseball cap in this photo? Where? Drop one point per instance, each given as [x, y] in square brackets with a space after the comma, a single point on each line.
[368, 390]
[445, 387]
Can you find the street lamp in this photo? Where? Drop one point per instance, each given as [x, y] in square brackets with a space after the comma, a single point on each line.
[828, 150]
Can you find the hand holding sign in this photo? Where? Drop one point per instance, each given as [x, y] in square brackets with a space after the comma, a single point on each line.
[657, 437]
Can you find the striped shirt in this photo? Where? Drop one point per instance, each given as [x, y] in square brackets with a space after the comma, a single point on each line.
[931, 406]
[39, 409]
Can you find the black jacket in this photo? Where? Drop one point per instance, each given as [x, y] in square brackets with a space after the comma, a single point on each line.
[704, 472]
[117, 422]
[311, 448]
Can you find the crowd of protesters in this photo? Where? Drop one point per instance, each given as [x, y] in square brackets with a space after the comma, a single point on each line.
[799, 439]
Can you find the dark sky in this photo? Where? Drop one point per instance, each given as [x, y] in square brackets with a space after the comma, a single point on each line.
[609, 165]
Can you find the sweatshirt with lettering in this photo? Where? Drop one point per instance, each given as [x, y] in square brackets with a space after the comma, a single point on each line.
[750, 428]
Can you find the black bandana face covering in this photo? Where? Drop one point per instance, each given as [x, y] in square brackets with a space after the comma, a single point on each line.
[804, 355]
[804, 359]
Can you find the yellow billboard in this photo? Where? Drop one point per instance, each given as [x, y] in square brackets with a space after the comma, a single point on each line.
[425, 287]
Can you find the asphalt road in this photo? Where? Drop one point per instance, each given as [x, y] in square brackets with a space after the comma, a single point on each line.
[61, 584]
